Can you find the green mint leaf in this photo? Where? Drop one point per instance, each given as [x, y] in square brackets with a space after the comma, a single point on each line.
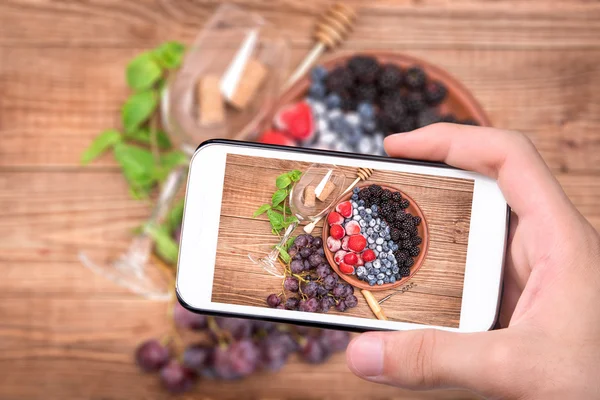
[138, 108]
[175, 215]
[103, 142]
[261, 210]
[279, 196]
[142, 136]
[166, 247]
[295, 175]
[290, 242]
[168, 161]
[283, 181]
[143, 72]
[275, 219]
[283, 254]
[170, 54]
[291, 219]
[138, 167]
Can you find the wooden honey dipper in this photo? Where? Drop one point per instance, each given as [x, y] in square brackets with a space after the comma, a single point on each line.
[331, 29]
[363, 175]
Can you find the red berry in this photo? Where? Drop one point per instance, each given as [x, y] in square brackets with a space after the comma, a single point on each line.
[339, 256]
[337, 231]
[352, 228]
[333, 244]
[357, 243]
[344, 208]
[351, 259]
[345, 242]
[274, 137]
[368, 255]
[297, 120]
[346, 269]
[360, 261]
[334, 218]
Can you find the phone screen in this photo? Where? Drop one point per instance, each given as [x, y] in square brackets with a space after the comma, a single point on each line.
[400, 236]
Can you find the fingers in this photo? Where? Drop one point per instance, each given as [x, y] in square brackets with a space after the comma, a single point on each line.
[526, 182]
[427, 359]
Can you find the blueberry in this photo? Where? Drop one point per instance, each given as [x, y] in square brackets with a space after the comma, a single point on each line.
[372, 282]
[368, 126]
[381, 235]
[379, 240]
[354, 197]
[387, 237]
[386, 279]
[384, 224]
[379, 248]
[390, 242]
[353, 119]
[388, 272]
[360, 271]
[374, 207]
[334, 115]
[362, 224]
[394, 247]
[369, 231]
[385, 247]
[376, 263]
[372, 245]
[392, 279]
[368, 217]
[369, 264]
[391, 257]
[368, 210]
[361, 203]
[380, 282]
[374, 236]
[366, 110]
[362, 213]
[395, 270]
[370, 240]
[374, 213]
[375, 250]
[317, 90]
[370, 277]
[356, 190]
[318, 73]
[372, 224]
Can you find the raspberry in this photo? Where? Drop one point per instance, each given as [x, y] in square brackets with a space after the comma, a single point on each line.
[275, 137]
[334, 218]
[357, 243]
[337, 231]
[368, 255]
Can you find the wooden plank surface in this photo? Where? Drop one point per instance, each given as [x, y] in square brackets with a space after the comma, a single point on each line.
[66, 333]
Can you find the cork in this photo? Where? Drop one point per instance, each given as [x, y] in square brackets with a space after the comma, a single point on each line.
[329, 187]
[210, 103]
[252, 77]
[309, 196]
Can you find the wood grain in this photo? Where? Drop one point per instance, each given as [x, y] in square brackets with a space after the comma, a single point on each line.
[66, 333]
[436, 298]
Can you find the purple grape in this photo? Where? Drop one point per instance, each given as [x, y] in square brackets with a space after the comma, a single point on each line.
[313, 351]
[310, 289]
[334, 340]
[151, 355]
[281, 307]
[307, 265]
[309, 238]
[290, 283]
[238, 360]
[264, 326]
[292, 251]
[286, 338]
[317, 242]
[322, 290]
[187, 319]
[297, 257]
[330, 281]
[300, 241]
[315, 259]
[348, 290]
[176, 378]
[237, 327]
[324, 270]
[305, 252]
[325, 304]
[297, 266]
[351, 301]
[273, 352]
[321, 251]
[339, 290]
[197, 357]
[273, 300]
[341, 306]
[292, 303]
[310, 305]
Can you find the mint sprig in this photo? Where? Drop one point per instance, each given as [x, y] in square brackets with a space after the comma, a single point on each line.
[278, 211]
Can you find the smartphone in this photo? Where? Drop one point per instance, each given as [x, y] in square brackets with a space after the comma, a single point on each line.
[412, 244]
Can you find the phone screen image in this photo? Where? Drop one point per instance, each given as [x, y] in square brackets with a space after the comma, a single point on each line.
[400, 236]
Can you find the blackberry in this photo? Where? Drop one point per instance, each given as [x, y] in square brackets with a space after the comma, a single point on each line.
[414, 251]
[364, 194]
[449, 118]
[389, 78]
[395, 206]
[409, 262]
[385, 209]
[390, 98]
[386, 195]
[404, 235]
[404, 203]
[377, 190]
[415, 78]
[435, 93]
[364, 68]
[393, 105]
[416, 220]
[408, 123]
[416, 240]
[415, 102]
[428, 117]
[366, 93]
[395, 234]
[468, 121]
[397, 197]
[398, 225]
[404, 272]
[339, 80]
[390, 123]
[407, 224]
[400, 215]
[401, 256]
[414, 231]
[347, 102]
[407, 244]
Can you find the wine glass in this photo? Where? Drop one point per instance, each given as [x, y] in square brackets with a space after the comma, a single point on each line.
[316, 176]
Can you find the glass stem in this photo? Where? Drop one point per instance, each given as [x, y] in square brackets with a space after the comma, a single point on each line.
[288, 232]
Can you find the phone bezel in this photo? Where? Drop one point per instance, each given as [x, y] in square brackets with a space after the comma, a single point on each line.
[190, 300]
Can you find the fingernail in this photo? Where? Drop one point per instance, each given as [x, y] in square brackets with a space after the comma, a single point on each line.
[366, 355]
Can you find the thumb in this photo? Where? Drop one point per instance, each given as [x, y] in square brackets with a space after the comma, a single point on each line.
[429, 358]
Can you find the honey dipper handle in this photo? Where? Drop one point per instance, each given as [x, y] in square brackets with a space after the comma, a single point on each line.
[306, 64]
[373, 304]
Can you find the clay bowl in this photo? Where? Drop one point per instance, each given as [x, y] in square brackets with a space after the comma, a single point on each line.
[459, 101]
[423, 232]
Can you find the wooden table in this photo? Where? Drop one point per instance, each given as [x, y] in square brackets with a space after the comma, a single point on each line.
[68, 334]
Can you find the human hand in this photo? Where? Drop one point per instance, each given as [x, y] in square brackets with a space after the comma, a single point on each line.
[549, 344]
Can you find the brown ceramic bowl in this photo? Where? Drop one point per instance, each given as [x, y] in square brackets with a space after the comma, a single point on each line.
[423, 232]
[459, 100]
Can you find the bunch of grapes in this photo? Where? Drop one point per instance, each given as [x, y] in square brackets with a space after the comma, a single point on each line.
[232, 348]
[310, 284]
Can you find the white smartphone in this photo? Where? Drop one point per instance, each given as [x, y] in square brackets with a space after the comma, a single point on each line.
[409, 245]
